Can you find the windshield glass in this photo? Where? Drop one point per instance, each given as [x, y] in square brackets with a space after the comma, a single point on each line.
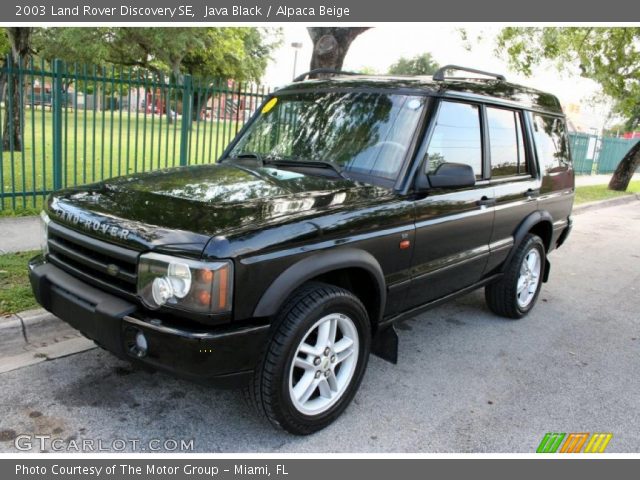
[366, 133]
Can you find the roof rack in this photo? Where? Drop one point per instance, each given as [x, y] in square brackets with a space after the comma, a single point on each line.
[316, 71]
[439, 75]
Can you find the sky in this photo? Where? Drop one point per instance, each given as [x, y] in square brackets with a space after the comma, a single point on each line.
[381, 46]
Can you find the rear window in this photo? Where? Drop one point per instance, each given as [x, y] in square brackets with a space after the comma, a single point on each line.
[550, 136]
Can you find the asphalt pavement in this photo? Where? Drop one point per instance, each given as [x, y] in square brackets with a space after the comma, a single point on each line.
[466, 381]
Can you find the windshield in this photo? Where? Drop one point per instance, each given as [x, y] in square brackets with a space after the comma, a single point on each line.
[358, 132]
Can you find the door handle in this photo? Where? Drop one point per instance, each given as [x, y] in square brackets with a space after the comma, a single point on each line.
[486, 202]
[532, 193]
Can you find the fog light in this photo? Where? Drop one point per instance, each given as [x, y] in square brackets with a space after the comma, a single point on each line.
[141, 344]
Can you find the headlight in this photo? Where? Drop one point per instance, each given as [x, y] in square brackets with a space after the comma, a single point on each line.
[203, 287]
[44, 232]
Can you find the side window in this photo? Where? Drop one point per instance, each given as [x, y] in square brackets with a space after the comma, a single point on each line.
[506, 143]
[551, 143]
[456, 137]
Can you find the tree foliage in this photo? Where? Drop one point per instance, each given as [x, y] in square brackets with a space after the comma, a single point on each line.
[240, 53]
[422, 64]
[81, 45]
[5, 44]
[608, 55]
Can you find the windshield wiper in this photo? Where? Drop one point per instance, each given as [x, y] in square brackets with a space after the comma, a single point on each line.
[307, 163]
[242, 155]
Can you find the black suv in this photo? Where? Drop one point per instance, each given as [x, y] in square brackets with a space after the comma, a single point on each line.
[344, 205]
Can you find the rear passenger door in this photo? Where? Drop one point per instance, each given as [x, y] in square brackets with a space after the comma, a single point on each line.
[453, 226]
[556, 170]
[512, 176]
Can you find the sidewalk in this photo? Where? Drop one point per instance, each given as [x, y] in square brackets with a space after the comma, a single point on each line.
[587, 180]
[19, 234]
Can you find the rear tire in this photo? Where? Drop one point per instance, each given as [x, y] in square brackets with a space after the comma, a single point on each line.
[516, 293]
[315, 360]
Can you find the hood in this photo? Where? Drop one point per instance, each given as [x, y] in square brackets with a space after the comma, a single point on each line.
[184, 207]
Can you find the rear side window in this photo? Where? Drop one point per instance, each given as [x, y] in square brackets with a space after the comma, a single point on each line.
[506, 143]
[550, 138]
[456, 137]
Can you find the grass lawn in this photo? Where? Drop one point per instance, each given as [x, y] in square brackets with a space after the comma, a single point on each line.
[594, 193]
[15, 291]
[99, 145]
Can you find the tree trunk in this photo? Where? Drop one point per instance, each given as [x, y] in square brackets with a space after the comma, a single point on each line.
[3, 78]
[97, 98]
[330, 45]
[200, 100]
[175, 79]
[12, 135]
[625, 170]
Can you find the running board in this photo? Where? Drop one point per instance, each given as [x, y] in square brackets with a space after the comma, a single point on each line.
[385, 342]
[435, 303]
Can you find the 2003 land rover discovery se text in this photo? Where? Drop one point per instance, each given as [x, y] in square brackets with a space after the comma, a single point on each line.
[346, 203]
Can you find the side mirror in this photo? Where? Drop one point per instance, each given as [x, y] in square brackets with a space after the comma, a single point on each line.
[452, 175]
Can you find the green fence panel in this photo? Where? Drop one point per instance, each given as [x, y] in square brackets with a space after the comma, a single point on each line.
[80, 124]
[612, 151]
[580, 151]
[57, 107]
[185, 131]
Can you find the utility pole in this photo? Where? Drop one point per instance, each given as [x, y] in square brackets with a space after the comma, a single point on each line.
[296, 46]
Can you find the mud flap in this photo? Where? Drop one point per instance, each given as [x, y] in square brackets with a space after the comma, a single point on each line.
[547, 269]
[385, 344]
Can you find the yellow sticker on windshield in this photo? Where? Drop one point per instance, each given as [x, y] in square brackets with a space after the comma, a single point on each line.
[269, 105]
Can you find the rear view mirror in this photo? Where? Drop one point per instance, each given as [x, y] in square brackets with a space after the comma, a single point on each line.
[452, 175]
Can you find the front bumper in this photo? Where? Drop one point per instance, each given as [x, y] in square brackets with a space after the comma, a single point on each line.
[224, 356]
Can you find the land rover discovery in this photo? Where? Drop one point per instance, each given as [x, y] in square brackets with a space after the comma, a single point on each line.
[345, 204]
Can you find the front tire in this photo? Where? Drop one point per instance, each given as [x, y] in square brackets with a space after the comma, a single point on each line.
[315, 361]
[516, 293]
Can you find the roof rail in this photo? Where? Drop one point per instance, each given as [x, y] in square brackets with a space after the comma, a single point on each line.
[316, 71]
[439, 75]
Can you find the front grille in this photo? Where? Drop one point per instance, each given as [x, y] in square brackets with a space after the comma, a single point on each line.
[97, 262]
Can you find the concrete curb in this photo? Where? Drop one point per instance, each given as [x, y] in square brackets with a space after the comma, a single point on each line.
[18, 327]
[42, 353]
[34, 336]
[9, 322]
[611, 202]
[35, 316]
[30, 321]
